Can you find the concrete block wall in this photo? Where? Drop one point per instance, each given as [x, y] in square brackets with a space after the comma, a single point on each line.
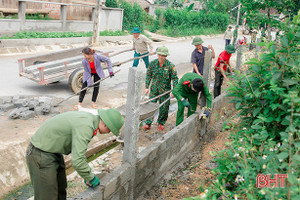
[154, 162]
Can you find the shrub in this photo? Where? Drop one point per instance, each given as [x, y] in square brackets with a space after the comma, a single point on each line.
[268, 138]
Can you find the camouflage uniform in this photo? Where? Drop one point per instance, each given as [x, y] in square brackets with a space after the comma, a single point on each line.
[161, 82]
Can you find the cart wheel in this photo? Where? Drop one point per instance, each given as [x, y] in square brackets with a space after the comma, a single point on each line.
[75, 80]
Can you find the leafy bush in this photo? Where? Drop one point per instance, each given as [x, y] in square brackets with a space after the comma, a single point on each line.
[268, 138]
[33, 34]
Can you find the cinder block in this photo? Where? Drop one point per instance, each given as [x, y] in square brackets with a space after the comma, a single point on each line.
[25, 102]
[15, 98]
[19, 102]
[38, 110]
[6, 107]
[6, 100]
[16, 112]
[110, 187]
[46, 108]
[46, 100]
[27, 114]
[33, 103]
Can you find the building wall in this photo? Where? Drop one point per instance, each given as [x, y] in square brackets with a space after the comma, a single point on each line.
[110, 19]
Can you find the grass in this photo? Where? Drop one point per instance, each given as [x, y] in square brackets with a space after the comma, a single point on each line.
[180, 32]
[34, 34]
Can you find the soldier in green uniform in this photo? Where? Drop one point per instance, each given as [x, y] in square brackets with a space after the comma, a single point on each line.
[186, 92]
[66, 133]
[235, 34]
[161, 71]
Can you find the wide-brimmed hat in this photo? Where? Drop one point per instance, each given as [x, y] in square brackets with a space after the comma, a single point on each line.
[163, 50]
[197, 41]
[113, 119]
[135, 30]
[230, 49]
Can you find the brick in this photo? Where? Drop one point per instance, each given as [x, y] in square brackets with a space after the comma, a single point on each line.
[6, 107]
[25, 102]
[27, 114]
[15, 113]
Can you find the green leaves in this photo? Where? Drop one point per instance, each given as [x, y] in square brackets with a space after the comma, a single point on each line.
[283, 155]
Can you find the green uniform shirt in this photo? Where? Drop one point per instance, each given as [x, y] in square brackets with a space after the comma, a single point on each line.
[69, 132]
[161, 76]
[183, 88]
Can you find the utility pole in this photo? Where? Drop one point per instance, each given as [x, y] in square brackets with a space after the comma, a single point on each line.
[96, 26]
[238, 15]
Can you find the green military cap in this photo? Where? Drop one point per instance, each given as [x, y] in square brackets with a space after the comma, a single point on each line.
[135, 30]
[197, 41]
[230, 49]
[113, 119]
[163, 50]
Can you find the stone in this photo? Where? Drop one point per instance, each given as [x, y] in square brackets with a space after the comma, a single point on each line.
[38, 110]
[27, 114]
[46, 100]
[19, 102]
[6, 100]
[46, 108]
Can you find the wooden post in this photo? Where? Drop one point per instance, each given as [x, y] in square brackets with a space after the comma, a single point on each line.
[63, 17]
[22, 14]
[96, 27]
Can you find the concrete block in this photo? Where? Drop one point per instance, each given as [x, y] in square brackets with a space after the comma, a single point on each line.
[27, 114]
[6, 107]
[16, 112]
[25, 102]
[110, 187]
[19, 102]
[6, 100]
[46, 100]
[15, 98]
[46, 108]
[33, 103]
[38, 110]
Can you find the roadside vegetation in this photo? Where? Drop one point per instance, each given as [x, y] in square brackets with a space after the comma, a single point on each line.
[35, 16]
[34, 34]
[267, 139]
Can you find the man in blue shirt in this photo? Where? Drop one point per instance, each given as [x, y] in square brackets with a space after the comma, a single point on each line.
[198, 55]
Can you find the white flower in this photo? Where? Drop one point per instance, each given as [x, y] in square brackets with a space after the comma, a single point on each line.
[271, 149]
[235, 197]
[240, 148]
[278, 144]
[275, 149]
[236, 155]
[264, 157]
[239, 178]
[280, 160]
[206, 190]
[285, 140]
[262, 192]
[264, 166]
[244, 128]
[246, 151]
[241, 139]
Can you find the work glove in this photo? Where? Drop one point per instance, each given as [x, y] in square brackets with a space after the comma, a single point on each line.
[206, 113]
[111, 74]
[93, 183]
[186, 103]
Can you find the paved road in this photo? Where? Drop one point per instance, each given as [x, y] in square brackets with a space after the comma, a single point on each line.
[12, 84]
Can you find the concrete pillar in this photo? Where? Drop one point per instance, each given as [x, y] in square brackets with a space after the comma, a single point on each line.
[22, 14]
[93, 14]
[131, 127]
[257, 48]
[96, 27]
[239, 56]
[63, 17]
[206, 74]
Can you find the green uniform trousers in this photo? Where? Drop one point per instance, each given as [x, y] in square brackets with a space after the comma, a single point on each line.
[163, 110]
[193, 100]
[47, 173]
